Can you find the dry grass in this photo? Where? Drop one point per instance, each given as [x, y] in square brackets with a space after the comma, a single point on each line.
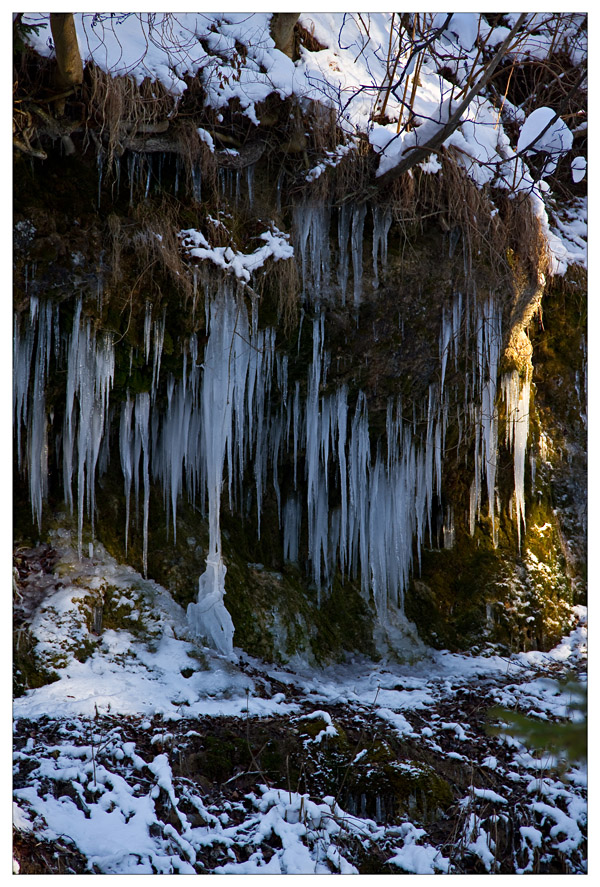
[195, 153]
[157, 246]
[120, 108]
[306, 37]
[145, 258]
[492, 228]
[117, 242]
[286, 280]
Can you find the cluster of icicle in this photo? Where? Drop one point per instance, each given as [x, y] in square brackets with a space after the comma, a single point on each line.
[482, 323]
[91, 364]
[312, 223]
[146, 173]
[360, 504]
[472, 328]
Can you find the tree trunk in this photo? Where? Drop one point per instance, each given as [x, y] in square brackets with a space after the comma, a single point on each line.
[68, 57]
[282, 31]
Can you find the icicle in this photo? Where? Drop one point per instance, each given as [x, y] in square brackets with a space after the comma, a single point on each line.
[159, 338]
[358, 224]
[197, 183]
[142, 421]
[22, 354]
[487, 351]
[456, 325]
[296, 422]
[90, 372]
[37, 438]
[177, 174]
[382, 221]
[448, 528]
[125, 450]
[516, 396]
[341, 417]
[195, 294]
[250, 183]
[344, 217]
[311, 240]
[147, 329]
[292, 518]
[445, 337]
[209, 617]
[148, 176]
[173, 446]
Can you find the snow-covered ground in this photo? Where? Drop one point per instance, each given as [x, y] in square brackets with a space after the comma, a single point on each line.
[104, 760]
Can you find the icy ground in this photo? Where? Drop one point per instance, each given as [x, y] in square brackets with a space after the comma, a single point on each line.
[150, 754]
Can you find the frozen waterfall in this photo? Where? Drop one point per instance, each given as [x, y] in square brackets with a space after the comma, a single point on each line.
[232, 426]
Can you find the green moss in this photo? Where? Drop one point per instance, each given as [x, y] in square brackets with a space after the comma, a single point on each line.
[83, 652]
[28, 670]
[448, 602]
[310, 728]
[117, 611]
[393, 790]
[221, 756]
[472, 593]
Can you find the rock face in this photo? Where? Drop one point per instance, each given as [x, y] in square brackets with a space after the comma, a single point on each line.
[366, 441]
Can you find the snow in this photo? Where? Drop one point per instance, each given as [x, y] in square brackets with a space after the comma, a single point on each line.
[112, 812]
[242, 265]
[329, 730]
[347, 74]
[418, 859]
[488, 795]
[556, 139]
[578, 168]
[123, 675]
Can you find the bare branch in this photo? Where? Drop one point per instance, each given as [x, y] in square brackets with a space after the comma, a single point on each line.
[421, 152]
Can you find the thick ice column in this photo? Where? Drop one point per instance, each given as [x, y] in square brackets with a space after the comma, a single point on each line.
[125, 450]
[208, 617]
[142, 432]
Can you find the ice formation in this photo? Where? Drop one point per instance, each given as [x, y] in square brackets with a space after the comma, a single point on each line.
[223, 388]
[516, 396]
[346, 503]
